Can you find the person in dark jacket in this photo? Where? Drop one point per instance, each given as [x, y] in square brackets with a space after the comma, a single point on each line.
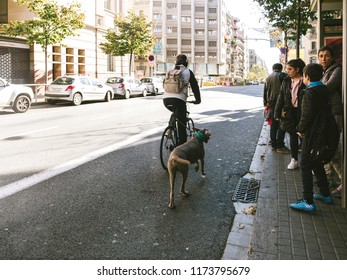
[316, 99]
[271, 92]
[176, 102]
[332, 78]
[288, 105]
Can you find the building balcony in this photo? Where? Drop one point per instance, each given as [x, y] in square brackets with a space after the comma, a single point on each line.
[312, 52]
[311, 34]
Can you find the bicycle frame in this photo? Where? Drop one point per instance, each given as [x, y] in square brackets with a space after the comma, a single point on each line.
[169, 137]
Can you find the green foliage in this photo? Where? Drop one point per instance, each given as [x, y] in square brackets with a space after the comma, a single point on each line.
[132, 35]
[284, 15]
[256, 73]
[51, 25]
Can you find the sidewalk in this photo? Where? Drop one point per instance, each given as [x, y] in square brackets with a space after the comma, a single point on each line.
[277, 232]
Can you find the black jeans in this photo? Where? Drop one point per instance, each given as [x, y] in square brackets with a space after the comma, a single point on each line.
[276, 133]
[294, 145]
[179, 108]
[306, 168]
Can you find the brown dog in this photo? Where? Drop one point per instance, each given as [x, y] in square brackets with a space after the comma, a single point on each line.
[185, 154]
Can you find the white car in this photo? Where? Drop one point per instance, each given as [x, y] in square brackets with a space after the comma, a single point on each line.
[154, 84]
[77, 89]
[17, 97]
[127, 86]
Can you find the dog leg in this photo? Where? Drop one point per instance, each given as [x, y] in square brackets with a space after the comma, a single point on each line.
[184, 172]
[172, 175]
[203, 174]
[196, 166]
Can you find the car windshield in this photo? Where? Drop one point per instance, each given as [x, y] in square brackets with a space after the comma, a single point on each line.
[146, 80]
[115, 80]
[64, 81]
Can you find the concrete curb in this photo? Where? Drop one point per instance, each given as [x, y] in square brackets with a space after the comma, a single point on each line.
[239, 240]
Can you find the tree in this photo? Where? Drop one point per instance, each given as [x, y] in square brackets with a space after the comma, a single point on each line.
[132, 35]
[51, 25]
[293, 17]
[256, 73]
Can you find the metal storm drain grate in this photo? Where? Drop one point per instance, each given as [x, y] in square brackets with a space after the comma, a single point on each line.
[247, 190]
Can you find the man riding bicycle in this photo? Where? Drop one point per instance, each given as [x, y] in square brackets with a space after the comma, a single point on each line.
[176, 102]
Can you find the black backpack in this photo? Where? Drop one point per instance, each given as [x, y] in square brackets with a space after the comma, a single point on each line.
[324, 138]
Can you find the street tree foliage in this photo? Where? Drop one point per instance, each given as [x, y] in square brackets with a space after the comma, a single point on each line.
[132, 35]
[50, 26]
[293, 17]
[256, 73]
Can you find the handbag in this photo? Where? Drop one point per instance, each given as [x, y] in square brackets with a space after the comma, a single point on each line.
[267, 112]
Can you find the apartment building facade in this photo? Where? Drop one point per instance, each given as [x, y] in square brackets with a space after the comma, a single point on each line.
[236, 50]
[202, 29]
[21, 63]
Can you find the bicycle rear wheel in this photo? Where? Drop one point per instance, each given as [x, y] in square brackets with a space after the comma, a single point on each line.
[167, 143]
[190, 128]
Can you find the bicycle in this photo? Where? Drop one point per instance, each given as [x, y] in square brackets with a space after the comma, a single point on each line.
[169, 138]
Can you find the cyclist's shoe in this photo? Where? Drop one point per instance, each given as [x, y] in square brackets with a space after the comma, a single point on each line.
[326, 199]
[302, 205]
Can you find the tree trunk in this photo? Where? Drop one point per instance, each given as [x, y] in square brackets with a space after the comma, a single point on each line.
[298, 29]
[130, 63]
[286, 46]
[46, 67]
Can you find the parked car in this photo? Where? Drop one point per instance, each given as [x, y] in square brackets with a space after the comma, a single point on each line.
[154, 84]
[77, 89]
[17, 97]
[126, 86]
[255, 82]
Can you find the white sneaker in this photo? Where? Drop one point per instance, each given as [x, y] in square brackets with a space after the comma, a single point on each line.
[293, 164]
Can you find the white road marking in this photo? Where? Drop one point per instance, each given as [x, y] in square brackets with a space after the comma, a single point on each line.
[28, 182]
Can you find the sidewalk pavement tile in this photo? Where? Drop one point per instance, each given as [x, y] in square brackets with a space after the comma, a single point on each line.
[281, 233]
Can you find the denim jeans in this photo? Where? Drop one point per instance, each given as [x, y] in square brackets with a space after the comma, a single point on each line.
[306, 168]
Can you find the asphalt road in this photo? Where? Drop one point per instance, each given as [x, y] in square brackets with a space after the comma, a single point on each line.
[112, 202]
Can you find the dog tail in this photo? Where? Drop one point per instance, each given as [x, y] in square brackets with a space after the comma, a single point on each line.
[180, 160]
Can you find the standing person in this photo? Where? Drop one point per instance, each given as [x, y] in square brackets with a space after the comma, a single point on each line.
[288, 106]
[332, 78]
[316, 99]
[176, 102]
[271, 92]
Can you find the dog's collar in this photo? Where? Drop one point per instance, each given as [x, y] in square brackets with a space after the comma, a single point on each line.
[200, 136]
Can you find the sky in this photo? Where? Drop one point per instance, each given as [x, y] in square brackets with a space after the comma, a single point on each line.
[254, 24]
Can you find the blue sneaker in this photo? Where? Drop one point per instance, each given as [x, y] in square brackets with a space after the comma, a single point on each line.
[302, 205]
[327, 199]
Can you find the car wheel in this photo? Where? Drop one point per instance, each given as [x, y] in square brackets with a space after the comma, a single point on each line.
[144, 93]
[108, 96]
[21, 104]
[156, 91]
[127, 94]
[51, 101]
[77, 99]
